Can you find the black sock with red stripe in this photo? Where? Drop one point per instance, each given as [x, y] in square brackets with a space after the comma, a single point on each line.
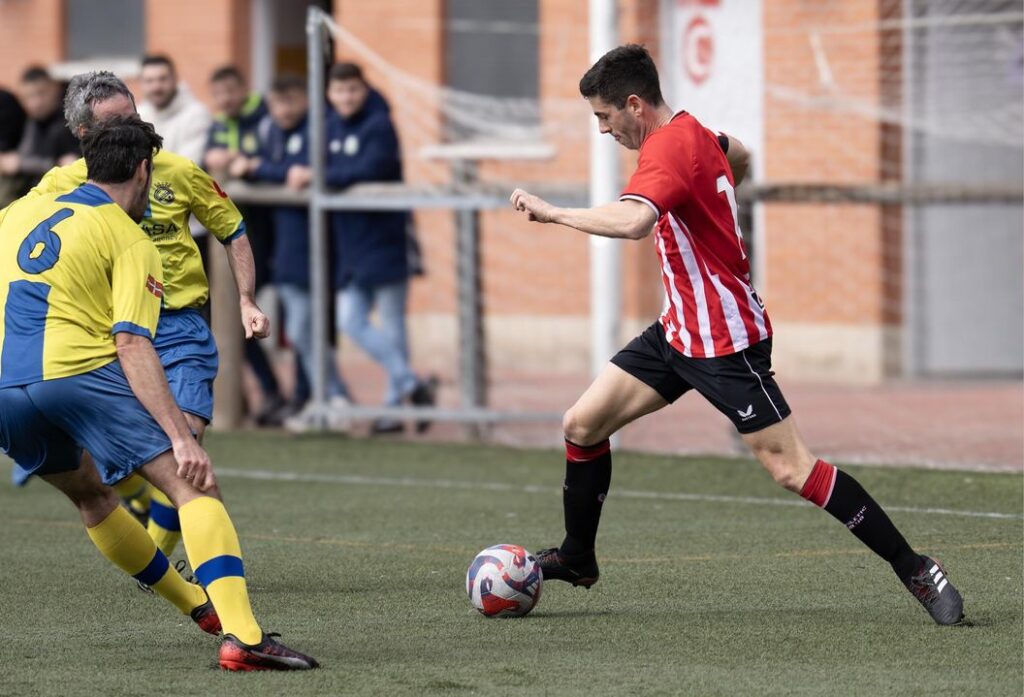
[845, 499]
[588, 474]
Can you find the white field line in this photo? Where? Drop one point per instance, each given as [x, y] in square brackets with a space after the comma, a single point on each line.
[416, 483]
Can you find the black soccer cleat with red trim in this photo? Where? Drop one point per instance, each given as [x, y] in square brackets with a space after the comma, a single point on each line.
[206, 617]
[933, 590]
[579, 572]
[269, 654]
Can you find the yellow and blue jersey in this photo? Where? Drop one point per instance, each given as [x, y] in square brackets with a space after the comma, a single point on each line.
[75, 270]
[179, 188]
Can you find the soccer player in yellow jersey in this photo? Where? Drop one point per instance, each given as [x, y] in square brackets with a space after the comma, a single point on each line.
[79, 308]
[183, 339]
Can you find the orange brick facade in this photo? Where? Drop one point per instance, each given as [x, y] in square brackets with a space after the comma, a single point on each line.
[839, 322]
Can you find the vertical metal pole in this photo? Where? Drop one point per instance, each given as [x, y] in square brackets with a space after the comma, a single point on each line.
[262, 50]
[605, 253]
[317, 216]
[472, 356]
[913, 266]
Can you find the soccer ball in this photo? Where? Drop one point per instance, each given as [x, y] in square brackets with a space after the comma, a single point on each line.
[504, 581]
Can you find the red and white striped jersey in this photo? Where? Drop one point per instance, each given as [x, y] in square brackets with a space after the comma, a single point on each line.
[711, 308]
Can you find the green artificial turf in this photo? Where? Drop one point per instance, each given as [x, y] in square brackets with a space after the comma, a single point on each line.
[361, 562]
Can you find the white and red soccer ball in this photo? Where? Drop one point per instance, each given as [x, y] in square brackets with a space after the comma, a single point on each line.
[504, 581]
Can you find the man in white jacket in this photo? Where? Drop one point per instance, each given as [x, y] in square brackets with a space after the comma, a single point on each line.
[178, 117]
[173, 110]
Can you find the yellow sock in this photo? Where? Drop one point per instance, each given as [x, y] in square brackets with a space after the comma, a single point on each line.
[124, 542]
[164, 526]
[216, 558]
[136, 491]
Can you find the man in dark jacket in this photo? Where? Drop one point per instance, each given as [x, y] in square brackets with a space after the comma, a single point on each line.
[12, 124]
[283, 158]
[46, 140]
[371, 251]
[233, 133]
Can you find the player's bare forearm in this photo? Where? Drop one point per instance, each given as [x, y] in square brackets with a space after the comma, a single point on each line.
[622, 219]
[243, 268]
[254, 322]
[146, 377]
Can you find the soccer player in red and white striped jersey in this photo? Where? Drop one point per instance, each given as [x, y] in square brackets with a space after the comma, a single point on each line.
[714, 335]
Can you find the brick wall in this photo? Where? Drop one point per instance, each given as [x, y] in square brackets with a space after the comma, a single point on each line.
[199, 36]
[31, 31]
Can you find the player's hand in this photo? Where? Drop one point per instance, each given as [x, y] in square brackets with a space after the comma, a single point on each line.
[298, 177]
[194, 464]
[239, 167]
[255, 323]
[218, 159]
[536, 208]
[10, 163]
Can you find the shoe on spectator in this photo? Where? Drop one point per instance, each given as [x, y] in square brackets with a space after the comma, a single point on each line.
[305, 420]
[335, 421]
[385, 425]
[264, 416]
[424, 395]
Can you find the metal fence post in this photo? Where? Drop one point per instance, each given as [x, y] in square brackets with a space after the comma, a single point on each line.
[318, 287]
[472, 347]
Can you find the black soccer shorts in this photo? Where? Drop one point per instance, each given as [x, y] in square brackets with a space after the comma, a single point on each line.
[741, 386]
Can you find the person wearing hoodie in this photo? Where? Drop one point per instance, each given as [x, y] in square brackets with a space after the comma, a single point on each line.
[283, 158]
[178, 117]
[371, 266]
[173, 110]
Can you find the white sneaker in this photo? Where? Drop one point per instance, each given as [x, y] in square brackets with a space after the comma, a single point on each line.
[302, 422]
[335, 421]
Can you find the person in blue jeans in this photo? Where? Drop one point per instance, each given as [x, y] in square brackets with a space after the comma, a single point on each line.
[371, 267]
[283, 158]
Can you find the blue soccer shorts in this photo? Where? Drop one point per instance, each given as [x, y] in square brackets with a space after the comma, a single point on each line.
[188, 354]
[45, 425]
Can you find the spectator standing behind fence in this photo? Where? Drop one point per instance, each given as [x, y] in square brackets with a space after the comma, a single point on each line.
[179, 118]
[283, 158]
[371, 267]
[235, 133]
[45, 139]
[12, 123]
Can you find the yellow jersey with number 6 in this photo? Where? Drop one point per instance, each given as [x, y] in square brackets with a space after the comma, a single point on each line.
[74, 271]
[179, 189]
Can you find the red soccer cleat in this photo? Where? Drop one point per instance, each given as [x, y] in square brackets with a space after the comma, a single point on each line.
[206, 617]
[269, 654]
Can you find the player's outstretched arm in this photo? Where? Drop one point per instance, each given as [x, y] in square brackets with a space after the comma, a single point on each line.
[622, 219]
[146, 377]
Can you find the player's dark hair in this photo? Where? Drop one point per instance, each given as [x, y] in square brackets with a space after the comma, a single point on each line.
[346, 71]
[287, 82]
[621, 72]
[158, 59]
[227, 72]
[35, 73]
[114, 148]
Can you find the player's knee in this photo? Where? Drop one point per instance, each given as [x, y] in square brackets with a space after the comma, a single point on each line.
[578, 429]
[784, 470]
[94, 498]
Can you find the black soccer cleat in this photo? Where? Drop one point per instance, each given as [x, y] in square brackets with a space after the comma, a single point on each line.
[579, 572]
[269, 654]
[933, 590]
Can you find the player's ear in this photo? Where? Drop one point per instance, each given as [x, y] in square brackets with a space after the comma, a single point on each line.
[142, 172]
[634, 104]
